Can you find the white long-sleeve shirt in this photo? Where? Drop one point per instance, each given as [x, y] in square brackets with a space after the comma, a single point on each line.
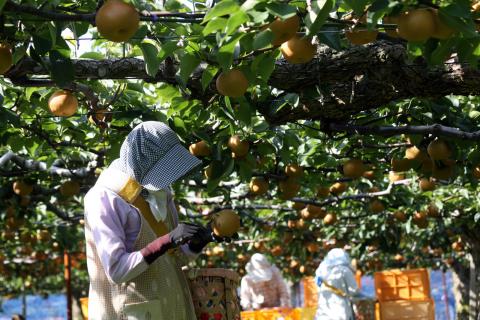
[115, 225]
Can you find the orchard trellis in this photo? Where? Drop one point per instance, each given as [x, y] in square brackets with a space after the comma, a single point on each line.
[378, 103]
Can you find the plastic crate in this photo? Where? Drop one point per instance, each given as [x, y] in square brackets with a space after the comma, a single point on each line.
[277, 313]
[84, 307]
[402, 285]
[403, 310]
[310, 292]
[248, 315]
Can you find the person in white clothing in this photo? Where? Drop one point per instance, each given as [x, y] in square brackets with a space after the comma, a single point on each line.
[337, 287]
[263, 286]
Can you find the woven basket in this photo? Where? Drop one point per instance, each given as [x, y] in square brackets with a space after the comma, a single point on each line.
[214, 293]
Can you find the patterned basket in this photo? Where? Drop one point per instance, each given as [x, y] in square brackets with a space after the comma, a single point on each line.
[214, 293]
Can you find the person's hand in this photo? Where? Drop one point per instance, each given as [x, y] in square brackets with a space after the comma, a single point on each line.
[203, 237]
[185, 232]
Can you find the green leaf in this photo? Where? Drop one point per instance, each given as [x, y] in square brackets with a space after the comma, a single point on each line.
[79, 28]
[258, 16]
[243, 112]
[331, 39]
[150, 56]
[263, 39]
[2, 4]
[358, 6]
[225, 53]
[166, 49]
[318, 15]
[462, 24]
[42, 44]
[222, 8]
[9, 117]
[443, 50]
[236, 20]
[208, 75]
[214, 25]
[92, 55]
[267, 66]
[281, 10]
[188, 62]
[61, 68]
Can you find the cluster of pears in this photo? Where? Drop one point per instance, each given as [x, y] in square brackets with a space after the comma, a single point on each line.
[419, 25]
[434, 161]
[295, 49]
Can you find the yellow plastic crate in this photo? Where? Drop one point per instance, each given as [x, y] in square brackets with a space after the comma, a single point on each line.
[310, 292]
[402, 285]
[84, 307]
[407, 310]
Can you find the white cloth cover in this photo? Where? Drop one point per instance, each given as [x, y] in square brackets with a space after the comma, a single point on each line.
[259, 269]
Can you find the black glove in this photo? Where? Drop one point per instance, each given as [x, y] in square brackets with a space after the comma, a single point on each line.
[180, 235]
[204, 237]
[185, 232]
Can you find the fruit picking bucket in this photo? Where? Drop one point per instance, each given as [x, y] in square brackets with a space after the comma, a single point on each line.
[214, 293]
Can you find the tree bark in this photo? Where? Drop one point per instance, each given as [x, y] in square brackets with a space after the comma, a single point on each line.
[345, 82]
[467, 279]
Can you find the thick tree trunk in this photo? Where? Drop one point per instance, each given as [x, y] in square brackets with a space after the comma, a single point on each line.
[467, 280]
[343, 83]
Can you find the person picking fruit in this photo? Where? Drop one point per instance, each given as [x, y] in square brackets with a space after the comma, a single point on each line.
[263, 286]
[135, 243]
[337, 287]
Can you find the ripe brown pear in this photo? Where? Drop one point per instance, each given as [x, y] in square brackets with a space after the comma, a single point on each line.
[276, 251]
[338, 188]
[361, 35]
[445, 170]
[70, 188]
[6, 58]
[312, 212]
[200, 149]
[416, 25]
[400, 216]
[370, 175]
[226, 223]
[284, 30]
[323, 192]
[353, 168]
[426, 184]
[258, 186]
[420, 219]
[22, 188]
[330, 218]
[294, 171]
[288, 188]
[439, 150]
[476, 172]
[238, 146]
[414, 153]
[394, 176]
[232, 83]
[400, 165]
[117, 21]
[376, 206]
[298, 50]
[433, 211]
[63, 103]
[313, 247]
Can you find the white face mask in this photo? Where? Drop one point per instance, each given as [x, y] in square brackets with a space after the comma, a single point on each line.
[158, 204]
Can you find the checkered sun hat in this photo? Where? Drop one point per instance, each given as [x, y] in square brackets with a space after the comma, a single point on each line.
[154, 156]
